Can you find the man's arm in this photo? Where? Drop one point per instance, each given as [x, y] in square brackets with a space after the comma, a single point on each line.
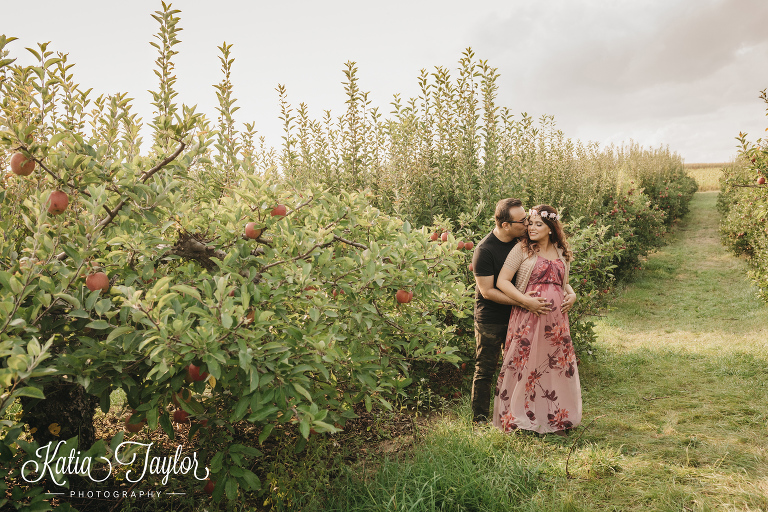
[569, 298]
[490, 292]
[485, 285]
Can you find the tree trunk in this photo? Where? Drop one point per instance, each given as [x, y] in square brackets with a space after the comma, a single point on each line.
[67, 411]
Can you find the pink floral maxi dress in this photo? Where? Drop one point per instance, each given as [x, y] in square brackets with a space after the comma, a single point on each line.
[538, 387]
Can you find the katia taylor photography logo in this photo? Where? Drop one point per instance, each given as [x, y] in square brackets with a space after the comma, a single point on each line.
[128, 453]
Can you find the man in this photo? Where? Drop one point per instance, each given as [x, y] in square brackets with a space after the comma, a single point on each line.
[492, 307]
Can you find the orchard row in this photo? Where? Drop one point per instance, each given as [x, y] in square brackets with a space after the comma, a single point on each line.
[230, 286]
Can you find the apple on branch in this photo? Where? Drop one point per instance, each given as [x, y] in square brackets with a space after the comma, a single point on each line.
[21, 166]
[251, 231]
[194, 375]
[133, 427]
[403, 297]
[97, 281]
[180, 416]
[57, 202]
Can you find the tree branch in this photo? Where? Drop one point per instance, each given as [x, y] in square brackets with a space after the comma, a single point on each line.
[148, 174]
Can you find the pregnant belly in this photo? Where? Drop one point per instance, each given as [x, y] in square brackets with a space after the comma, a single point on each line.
[550, 291]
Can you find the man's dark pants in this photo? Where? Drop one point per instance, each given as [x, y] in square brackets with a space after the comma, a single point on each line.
[489, 341]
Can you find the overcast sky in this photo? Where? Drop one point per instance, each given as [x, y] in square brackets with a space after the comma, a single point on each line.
[683, 73]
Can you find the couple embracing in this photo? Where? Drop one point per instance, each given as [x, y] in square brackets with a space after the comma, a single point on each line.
[521, 310]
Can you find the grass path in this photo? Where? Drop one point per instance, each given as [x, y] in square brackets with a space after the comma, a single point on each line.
[683, 379]
[677, 398]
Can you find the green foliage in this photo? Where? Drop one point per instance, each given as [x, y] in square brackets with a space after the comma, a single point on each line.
[743, 205]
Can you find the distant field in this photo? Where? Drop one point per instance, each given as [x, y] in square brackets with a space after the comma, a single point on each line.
[706, 175]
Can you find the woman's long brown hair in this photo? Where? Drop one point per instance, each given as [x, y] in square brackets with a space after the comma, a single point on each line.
[556, 235]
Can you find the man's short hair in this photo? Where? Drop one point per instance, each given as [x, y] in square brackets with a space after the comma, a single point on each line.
[502, 210]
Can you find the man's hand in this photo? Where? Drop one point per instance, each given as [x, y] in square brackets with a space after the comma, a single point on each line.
[538, 305]
[569, 299]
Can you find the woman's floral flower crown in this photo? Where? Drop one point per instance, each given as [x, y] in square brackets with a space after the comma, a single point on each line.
[543, 214]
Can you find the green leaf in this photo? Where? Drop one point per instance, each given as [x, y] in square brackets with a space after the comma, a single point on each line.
[217, 462]
[303, 391]
[57, 138]
[254, 380]
[33, 347]
[165, 422]
[30, 392]
[231, 489]
[104, 401]
[265, 432]
[118, 332]
[251, 480]
[188, 290]
[68, 298]
[241, 408]
[304, 428]
[98, 324]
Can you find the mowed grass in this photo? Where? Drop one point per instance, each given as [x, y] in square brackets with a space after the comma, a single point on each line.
[707, 176]
[675, 409]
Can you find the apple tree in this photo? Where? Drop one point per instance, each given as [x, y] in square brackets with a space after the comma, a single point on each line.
[293, 325]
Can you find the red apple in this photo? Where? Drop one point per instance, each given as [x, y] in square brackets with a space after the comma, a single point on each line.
[434, 236]
[760, 180]
[133, 427]
[471, 268]
[180, 416]
[460, 245]
[279, 211]
[184, 394]
[251, 231]
[21, 166]
[463, 366]
[444, 237]
[194, 375]
[204, 422]
[57, 202]
[469, 245]
[209, 486]
[250, 317]
[403, 297]
[97, 281]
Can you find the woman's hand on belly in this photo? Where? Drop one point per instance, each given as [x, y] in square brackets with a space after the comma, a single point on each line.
[539, 305]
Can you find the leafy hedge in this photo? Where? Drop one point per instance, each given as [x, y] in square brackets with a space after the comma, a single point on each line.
[743, 207]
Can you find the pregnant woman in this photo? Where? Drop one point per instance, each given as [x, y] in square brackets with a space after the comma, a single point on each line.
[538, 387]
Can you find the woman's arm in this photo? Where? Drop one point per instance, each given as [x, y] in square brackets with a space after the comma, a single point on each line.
[535, 305]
